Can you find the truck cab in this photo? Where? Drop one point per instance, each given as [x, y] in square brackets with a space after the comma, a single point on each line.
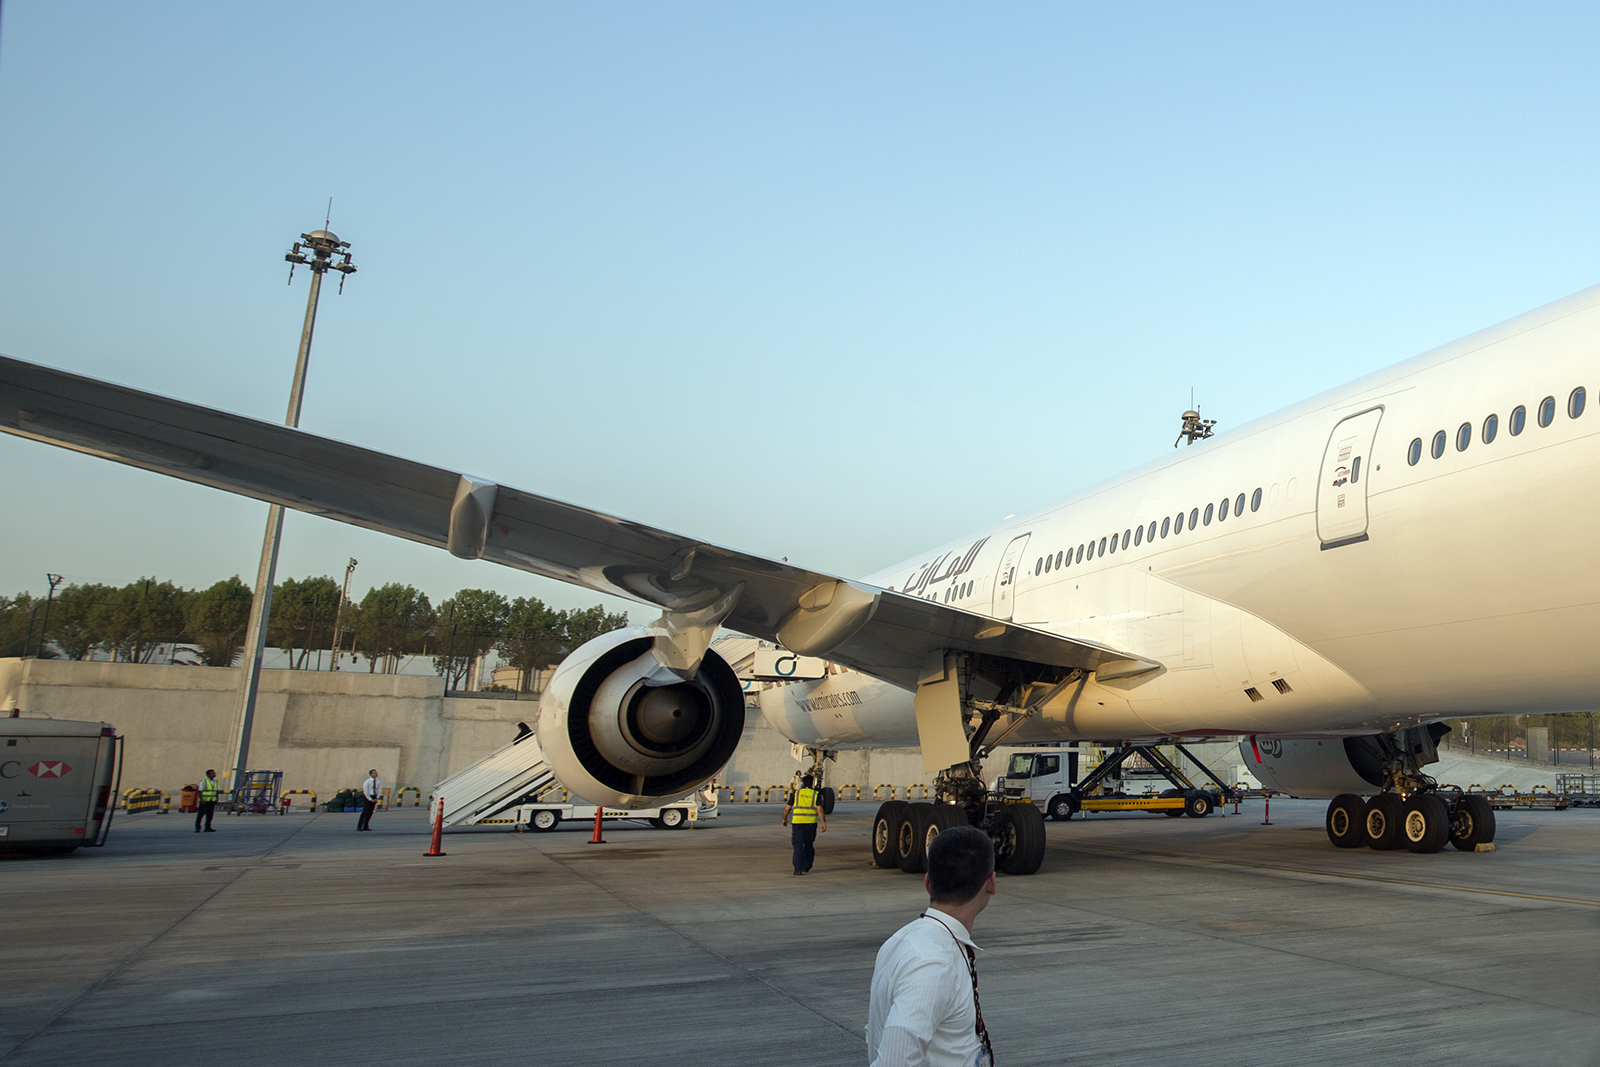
[1043, 776]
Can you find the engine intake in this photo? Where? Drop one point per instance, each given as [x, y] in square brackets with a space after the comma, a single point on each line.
[620, 728]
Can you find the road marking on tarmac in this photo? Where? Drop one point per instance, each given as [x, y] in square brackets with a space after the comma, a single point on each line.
[1343, 874]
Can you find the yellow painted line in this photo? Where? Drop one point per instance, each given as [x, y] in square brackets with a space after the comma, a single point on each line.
[1348, 874]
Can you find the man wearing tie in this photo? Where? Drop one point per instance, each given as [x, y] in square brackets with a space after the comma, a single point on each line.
[371, 790]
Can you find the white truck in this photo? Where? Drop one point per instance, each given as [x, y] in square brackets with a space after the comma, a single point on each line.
[1048, 777]
[58, 783]
[681, 814]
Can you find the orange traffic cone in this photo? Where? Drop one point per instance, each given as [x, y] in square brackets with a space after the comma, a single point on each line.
[599, 815]
[438, 832]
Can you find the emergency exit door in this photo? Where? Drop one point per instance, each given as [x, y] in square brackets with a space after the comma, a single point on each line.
[1005, 580]
[1346, 472]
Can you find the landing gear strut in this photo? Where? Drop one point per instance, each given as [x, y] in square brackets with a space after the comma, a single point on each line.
[1412, 812]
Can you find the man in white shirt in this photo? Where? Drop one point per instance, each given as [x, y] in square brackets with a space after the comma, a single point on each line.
[924, 1007]
[371, 790]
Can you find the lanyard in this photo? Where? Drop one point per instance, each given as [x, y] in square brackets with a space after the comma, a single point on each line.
[972, 969]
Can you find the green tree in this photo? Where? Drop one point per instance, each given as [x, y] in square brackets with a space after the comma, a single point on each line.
[218, 618]
[19, 620]
[534, 637]
[394, 621]
[302, 617]
[586, 624]
[73, 626]
[470, 623]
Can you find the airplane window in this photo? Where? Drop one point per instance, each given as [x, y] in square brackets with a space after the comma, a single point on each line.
[1491, 426]
[1438, 444]
[1238, 505]
[1209, 509]
[1519, 415]
[1222, 510]
[1165, 522]
[1575, 402]
[1138, 534]
[1114, 540]
[1080, 554]
[1255, 501]
[1038, 565]
[1177, 524]
[1102, 546]
[1068, 563]
[1058, 559]
[1047, 560]
[1194, 517]
[1463, 436]
[1355, 470]
[1547, 411]
[1413, 453]
[1126, 534]
[1151, 536]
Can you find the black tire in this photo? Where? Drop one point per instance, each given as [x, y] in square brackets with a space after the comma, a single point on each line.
[544, 820]
[1197, 804]
[1173, 813]
[1344, 823]
[885, 828]
[1471, 823]
[943, 817]
[1425, 822]
[829, 798]
[1018, 836]
[1382, 820]
[672, 819]
[1062, 807]
[911, 843]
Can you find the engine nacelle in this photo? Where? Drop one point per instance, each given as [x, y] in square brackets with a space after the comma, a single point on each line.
[1313, 767]
[620, 729]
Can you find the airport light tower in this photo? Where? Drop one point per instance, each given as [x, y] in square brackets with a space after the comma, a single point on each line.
[319, 251]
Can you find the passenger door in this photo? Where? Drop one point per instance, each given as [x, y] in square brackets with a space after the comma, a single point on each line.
[1005, 579]
[1342, 487]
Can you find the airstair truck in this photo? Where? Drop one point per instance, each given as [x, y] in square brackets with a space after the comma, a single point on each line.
[58, 783]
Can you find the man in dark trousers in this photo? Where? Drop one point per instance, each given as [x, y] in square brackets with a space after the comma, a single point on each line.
[209, 789]
[371, 790]
[804, 815]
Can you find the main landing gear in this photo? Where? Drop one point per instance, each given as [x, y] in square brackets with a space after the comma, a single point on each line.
[1412, 812]
[902, 832]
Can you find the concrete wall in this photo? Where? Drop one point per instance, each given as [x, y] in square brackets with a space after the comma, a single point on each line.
[323, 730]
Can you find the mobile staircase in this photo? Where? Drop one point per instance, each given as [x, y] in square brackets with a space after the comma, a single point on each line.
[511, 775]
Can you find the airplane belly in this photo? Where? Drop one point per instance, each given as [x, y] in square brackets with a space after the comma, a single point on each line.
[842, 711]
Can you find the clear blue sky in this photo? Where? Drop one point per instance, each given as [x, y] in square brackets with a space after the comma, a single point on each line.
[826, 281]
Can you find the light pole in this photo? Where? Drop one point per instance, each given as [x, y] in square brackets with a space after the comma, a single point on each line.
[55, 580]
[321, 251]
[338, 613]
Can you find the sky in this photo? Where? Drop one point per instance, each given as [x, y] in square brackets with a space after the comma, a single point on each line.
[835, 282]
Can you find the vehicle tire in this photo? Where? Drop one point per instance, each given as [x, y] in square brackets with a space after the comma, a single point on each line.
[1425, 822]
[1062, 807]
[941, 818]
[885, 829]
[1173, 813]
[829, 798]
[1382, 821]
[911, 843]
[544, 820]
[672, 819]
[1198, 803]
[1471, 823]
[1344, 823]
[1018, 836]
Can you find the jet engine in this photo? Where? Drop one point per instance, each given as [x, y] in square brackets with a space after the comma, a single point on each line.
[622, 728]
[1327, 767]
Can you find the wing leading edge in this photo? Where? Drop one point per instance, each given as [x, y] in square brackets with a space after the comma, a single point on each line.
[878, 631]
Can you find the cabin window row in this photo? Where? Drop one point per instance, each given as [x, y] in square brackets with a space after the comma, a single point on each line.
[958, 592]
[1137, 535]
[1577, 400]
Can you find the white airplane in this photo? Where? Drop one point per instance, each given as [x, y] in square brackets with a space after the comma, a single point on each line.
[1327, 582]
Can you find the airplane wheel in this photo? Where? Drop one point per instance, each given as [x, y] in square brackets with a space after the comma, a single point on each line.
[885, 829]
[940, 819]
[1198, 804]
[672, 819]
[1382, 821]
[1062, 808]
[1018, 835]
[1345, 824]
[544, 821]
[829, 797]
[1425, 822]
[1471, 823]
[911, 850]
[1172, 813]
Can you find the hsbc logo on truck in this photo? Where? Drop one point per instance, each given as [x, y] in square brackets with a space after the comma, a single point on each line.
[49, 769]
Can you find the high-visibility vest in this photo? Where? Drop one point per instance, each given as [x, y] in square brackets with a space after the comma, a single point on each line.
[208, 789]
[804, 809]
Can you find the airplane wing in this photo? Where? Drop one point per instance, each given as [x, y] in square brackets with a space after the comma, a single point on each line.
[881, 632]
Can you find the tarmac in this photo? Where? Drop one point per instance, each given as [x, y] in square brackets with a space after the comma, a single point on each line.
[1144, 940]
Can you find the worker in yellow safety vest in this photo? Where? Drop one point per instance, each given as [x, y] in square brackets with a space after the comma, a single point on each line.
[803, 814]
[209, 790]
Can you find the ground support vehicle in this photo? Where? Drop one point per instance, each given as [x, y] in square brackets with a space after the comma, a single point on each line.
[58, 783]
[1047, 777]
[542, 817]
[1581, 790]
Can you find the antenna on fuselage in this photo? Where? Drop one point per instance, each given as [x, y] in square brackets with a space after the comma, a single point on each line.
[1194, 427]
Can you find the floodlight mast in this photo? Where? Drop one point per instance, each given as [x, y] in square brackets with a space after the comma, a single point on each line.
[319, 251]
